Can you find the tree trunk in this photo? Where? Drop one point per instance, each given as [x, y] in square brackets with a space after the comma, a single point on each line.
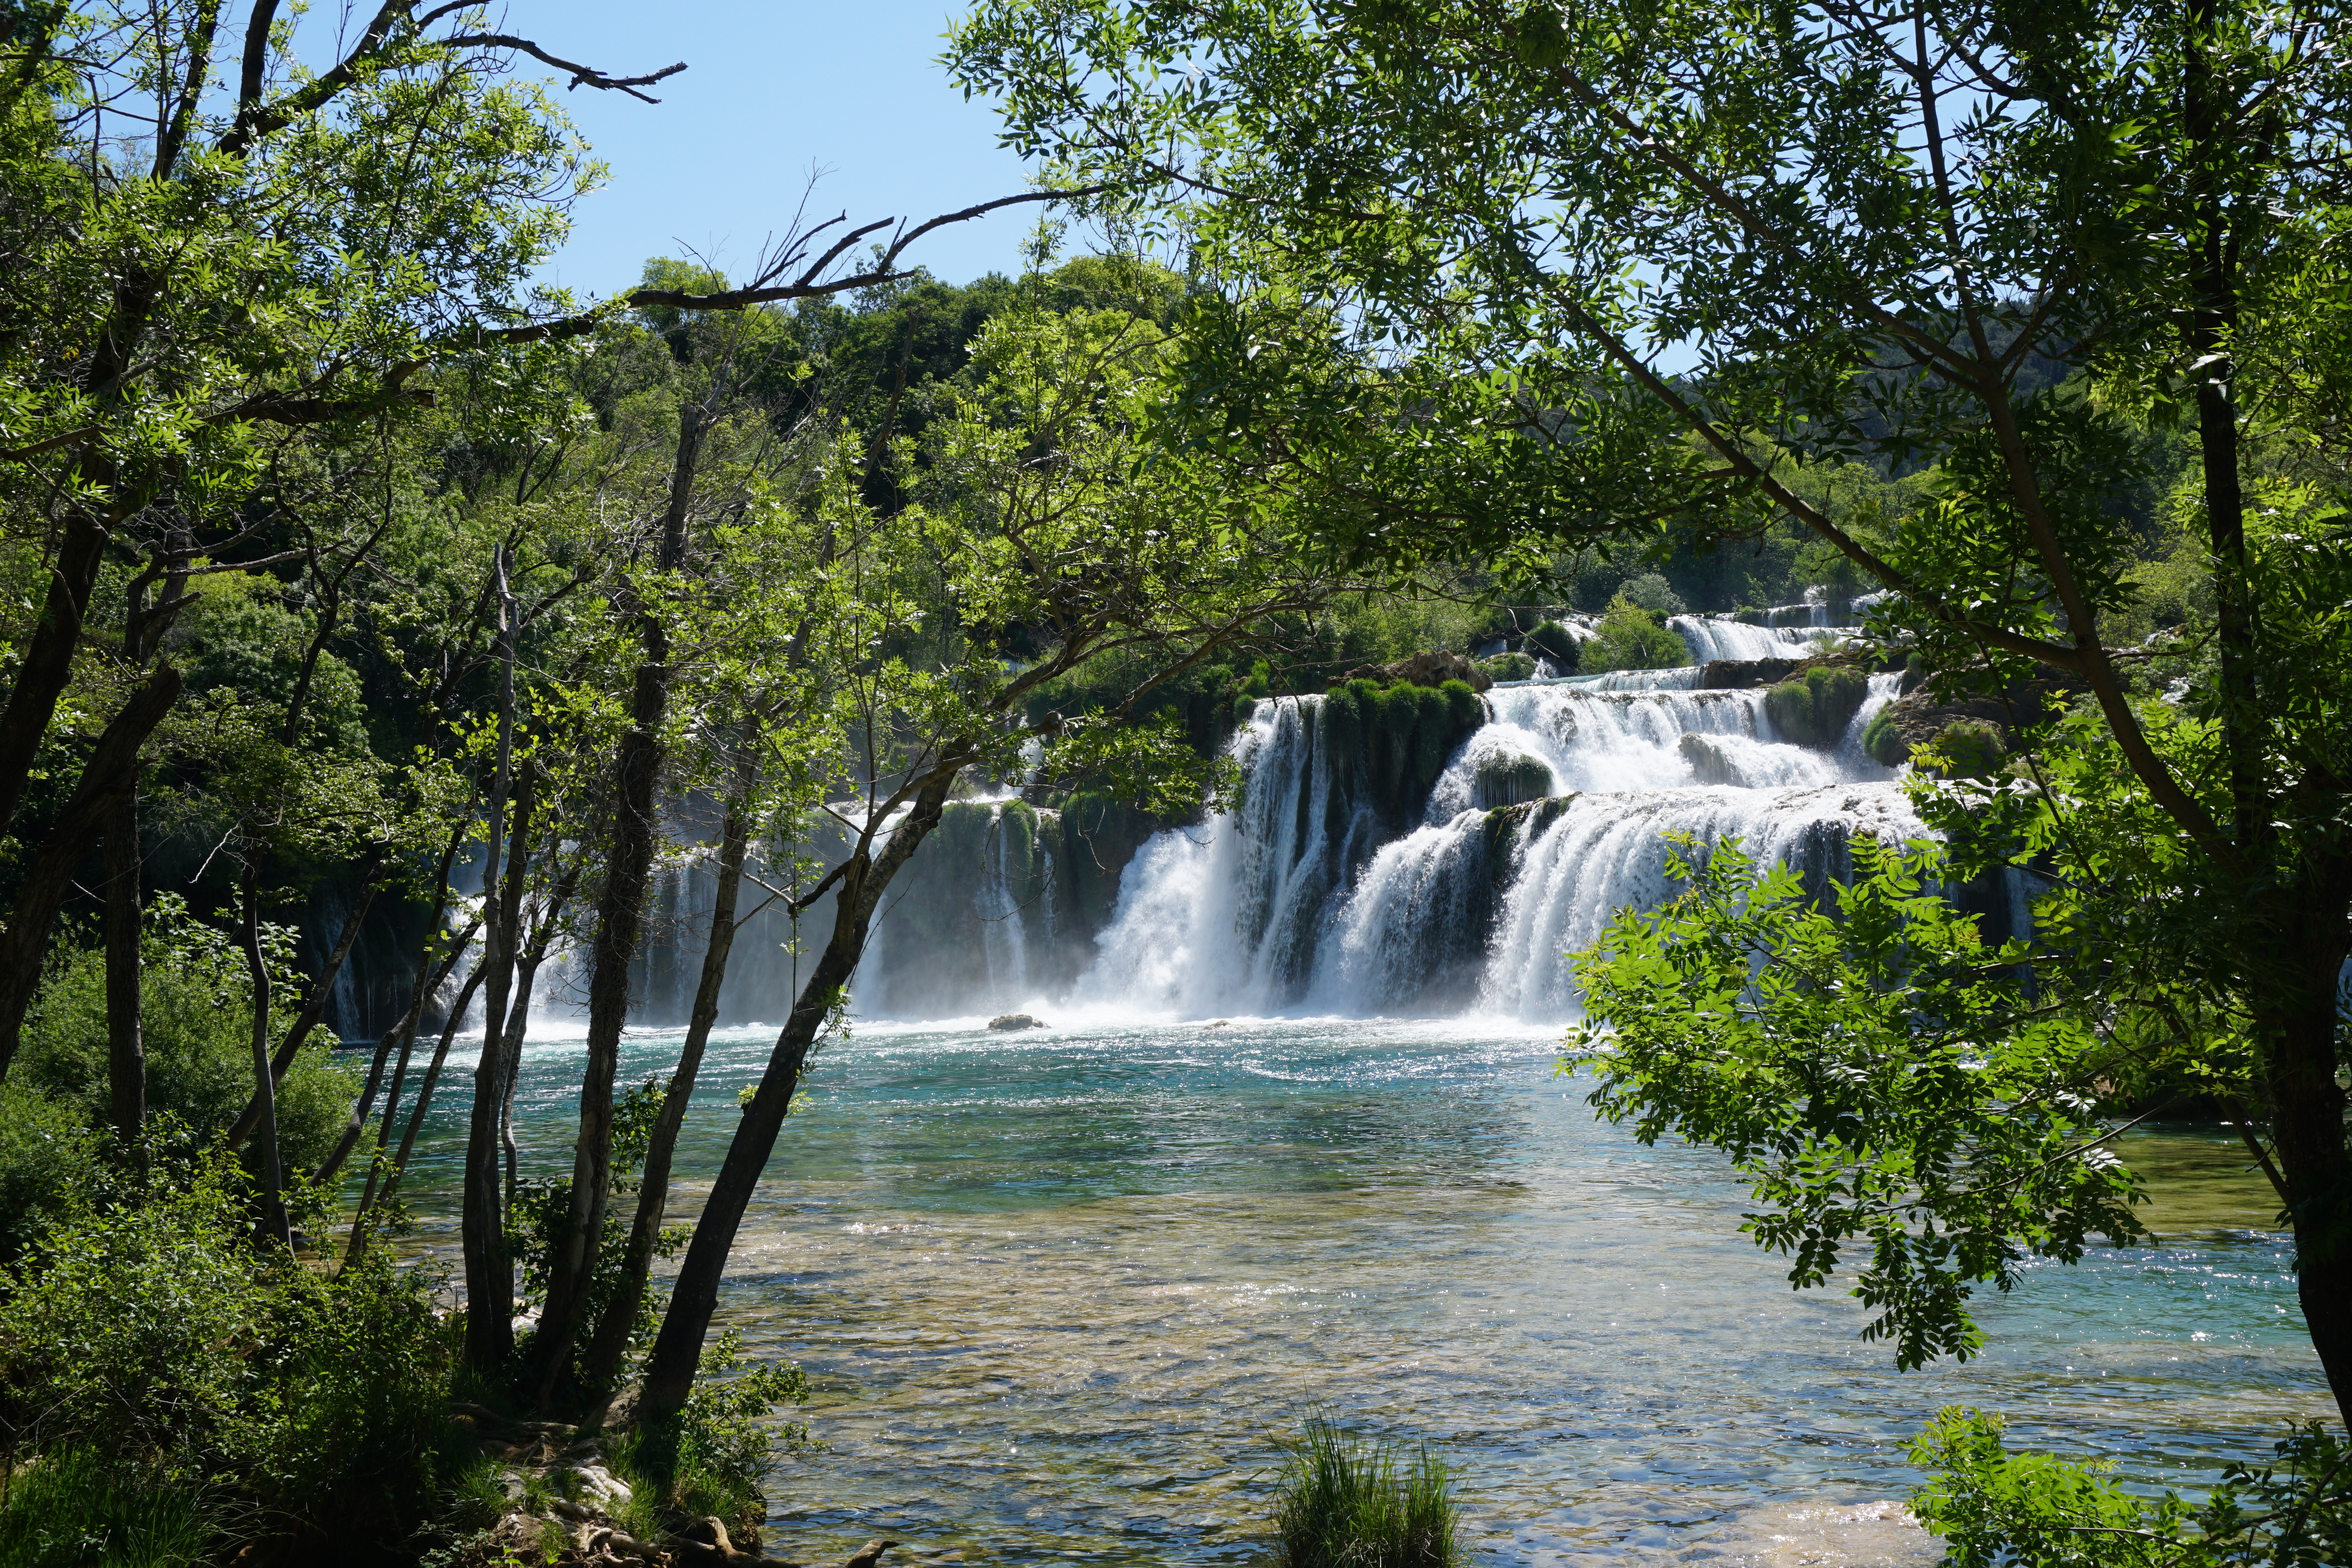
[428, 979]
[510, 1060]
[620, 923]
[2212, 322]
[2307, 1108]
[112, 773]
[48, 656]
[489, 1273]
[611, 1340]
[401, 1034]
[126, 1051]
[264, 1089]
[678, 1351]
[416, 1119]
[313, 1009]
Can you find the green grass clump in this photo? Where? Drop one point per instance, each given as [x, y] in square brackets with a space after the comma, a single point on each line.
[72, 1508]
[1347, 1503]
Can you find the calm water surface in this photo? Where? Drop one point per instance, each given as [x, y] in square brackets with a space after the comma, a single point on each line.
[1061, 1294]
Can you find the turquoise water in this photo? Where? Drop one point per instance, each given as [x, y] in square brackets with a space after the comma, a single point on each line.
[1062, 1293]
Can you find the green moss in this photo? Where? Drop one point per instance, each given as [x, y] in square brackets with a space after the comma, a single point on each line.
[1881, 742]
[1815, 708]
[1966, 748]
[1555, 642]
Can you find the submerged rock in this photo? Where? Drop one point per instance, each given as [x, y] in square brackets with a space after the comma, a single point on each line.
[1708, 763]
[1508, 779]
[1005, 1022]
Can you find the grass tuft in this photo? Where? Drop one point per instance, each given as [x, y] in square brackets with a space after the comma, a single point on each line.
[73, 1510]
[1348, 1502]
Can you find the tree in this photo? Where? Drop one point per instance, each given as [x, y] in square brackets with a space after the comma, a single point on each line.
[1984, 241]
[1035, 519]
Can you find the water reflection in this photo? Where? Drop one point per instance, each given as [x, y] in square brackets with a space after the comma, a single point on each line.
[1060, 1295]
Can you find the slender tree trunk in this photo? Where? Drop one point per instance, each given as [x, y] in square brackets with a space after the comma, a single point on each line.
[428, 980]
[678, 1351]
[273, 1176]
[417, 1118]
[112, 773]
[126, 1051]
[489, 1273]
[620, 923]
[428, 974]
[2307, 1107]
[48, 657]
[314, 1008]
[510, 1061]
[611, 1340]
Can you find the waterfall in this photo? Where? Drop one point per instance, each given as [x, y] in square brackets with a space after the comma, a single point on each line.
[1712, 638]
[1544, 821]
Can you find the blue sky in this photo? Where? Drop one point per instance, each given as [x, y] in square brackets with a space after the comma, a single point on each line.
[770, 91]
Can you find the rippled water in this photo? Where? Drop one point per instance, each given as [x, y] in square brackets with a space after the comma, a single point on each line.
[1062, 1293]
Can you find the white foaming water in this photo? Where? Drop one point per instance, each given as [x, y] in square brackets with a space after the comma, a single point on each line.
[1297, 903]
[1711, 638]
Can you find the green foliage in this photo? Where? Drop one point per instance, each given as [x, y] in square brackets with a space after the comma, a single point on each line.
[72, 1508]
[1815, 709]
[1553, 642]
[49, 1157]
[1963, 749]
[1632, 638]
[1877, 1074]
[1652, 592]
[197, 1018]
[151, 1341]
[1881, 742]
[1509, 667]
[1999, 1510]
[715, 1457]
[1345, 1502]
[541, 1218]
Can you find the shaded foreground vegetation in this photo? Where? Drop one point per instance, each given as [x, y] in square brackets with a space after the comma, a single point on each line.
[359, 596]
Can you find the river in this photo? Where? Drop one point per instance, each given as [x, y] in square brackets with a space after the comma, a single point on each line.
[1061, 1295]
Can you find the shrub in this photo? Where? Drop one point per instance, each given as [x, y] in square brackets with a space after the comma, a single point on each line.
[1631, 638]
[1964, 749]
[49, 1152]
[714, 1457]
[1815, 709]
[1653, 593]
[1556, 642]
[2036, 1511]
[197, 1018]
[1881, 742]
[1345, 1503]
[148, 1338]
[1509, 667]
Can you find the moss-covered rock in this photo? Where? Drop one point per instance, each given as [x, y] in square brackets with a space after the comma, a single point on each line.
[1508, 779]
[1708, 762]
[1554, 641]
[1815, 708]
[1508, 667]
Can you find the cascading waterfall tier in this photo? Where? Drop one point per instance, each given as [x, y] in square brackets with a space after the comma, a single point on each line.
[1551, 815]
[1397, 850]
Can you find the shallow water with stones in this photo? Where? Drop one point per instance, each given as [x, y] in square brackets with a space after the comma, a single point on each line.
[1061, 1295]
